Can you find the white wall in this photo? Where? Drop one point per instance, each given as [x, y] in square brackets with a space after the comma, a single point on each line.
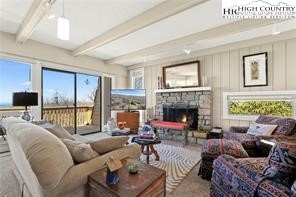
[224, 72]
[43, 55]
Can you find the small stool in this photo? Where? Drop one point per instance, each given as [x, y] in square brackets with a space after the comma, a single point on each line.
[213, 148]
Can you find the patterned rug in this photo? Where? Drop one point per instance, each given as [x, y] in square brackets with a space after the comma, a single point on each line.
[176, 161]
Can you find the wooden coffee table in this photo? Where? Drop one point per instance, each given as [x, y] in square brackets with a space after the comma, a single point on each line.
[150, 181]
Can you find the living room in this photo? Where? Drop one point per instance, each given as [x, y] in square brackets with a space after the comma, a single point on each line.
[168, 98]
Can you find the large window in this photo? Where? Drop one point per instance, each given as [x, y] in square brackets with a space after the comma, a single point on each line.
[137, 78]
[14, 77]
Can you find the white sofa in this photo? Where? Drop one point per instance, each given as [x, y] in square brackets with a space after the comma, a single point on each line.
[44, 164]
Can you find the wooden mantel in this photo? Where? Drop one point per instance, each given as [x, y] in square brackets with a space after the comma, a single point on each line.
[194, 89]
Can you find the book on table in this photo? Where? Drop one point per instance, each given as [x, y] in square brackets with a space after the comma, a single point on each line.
[148, 138]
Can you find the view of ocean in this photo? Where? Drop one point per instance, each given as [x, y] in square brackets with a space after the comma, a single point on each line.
[5, 104]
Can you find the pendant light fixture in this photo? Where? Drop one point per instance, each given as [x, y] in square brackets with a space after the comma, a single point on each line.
[63, 26]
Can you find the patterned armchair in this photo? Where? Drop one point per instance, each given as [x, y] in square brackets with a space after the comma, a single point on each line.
[243, 178]
[286, 127]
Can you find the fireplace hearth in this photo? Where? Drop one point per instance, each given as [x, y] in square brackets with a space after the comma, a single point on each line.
[181, 113]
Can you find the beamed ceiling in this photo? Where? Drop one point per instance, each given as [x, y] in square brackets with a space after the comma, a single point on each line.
[131, 32]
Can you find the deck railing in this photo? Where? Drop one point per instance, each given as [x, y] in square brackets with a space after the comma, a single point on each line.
[64, 115]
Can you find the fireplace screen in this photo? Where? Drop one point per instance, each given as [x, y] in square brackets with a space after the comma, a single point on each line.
[188, 114]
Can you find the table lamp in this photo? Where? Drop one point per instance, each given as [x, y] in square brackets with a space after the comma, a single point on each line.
[25, 99]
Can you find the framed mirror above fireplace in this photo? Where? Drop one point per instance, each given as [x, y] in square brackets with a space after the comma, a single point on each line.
[181, 75]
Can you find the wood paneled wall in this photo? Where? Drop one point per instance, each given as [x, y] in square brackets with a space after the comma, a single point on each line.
[224, 71]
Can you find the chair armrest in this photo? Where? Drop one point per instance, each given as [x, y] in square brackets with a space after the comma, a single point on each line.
[77, 175]
[278, 138]
[236, 129]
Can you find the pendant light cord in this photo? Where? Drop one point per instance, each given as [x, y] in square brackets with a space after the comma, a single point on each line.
[63, 8]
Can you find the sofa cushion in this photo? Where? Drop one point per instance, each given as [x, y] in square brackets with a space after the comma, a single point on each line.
[247, 141]
[261, 129]
[46, 155]
[285, 125]
[105, 145]
[60, 132]
[80, 151]
[282, 163]
[216, 147]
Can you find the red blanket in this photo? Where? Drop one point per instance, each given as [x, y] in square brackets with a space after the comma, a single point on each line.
[169, 125]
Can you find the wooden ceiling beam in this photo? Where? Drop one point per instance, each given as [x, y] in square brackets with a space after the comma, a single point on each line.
[230, 28]
[37, 11]
[153, 15]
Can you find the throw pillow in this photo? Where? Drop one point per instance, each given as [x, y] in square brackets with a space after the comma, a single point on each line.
[105, 145]
[261, 129]
[282, 163]
[293, 189]
[80, 152]
[60, 132]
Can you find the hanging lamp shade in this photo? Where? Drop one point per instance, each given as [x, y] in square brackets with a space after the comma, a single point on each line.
[63, 28]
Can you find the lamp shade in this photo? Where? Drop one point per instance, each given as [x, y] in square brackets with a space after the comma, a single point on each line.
[25, 98]
[63, 28]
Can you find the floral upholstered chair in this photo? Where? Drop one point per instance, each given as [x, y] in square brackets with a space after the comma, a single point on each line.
[285, 127]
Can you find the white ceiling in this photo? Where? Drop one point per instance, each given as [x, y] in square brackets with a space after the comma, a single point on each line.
[218, 41]
[185, 23]
[12, 13]
[90, 18]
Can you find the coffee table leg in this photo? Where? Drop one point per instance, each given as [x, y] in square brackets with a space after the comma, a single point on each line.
[154, 152]
[147, 157]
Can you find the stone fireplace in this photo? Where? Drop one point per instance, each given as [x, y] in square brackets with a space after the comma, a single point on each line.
[194, 104]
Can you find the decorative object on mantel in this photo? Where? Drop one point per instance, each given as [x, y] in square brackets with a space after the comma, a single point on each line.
[159, 82]
[181, 75]
[255, 70]
[249, 105]
[195, 89]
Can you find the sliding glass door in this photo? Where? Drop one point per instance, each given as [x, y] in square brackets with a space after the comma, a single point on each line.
[88, 103]
[72, 100]
[58, 98]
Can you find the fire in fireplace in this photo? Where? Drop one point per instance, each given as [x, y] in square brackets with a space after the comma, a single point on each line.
[181, 113]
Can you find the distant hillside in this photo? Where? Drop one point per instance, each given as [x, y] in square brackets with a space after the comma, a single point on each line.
[120, 101]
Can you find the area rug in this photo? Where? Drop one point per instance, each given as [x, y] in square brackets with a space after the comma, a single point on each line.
[176, 161]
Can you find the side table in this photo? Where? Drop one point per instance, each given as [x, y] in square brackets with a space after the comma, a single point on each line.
[216, 133]
[149, 147]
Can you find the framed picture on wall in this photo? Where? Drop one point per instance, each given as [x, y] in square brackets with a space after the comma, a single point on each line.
[255, 70]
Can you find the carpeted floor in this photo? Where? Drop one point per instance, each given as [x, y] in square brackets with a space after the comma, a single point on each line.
[3, 146]
[190, 185]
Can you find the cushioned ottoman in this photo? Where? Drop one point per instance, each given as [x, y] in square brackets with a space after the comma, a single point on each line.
[212, 148]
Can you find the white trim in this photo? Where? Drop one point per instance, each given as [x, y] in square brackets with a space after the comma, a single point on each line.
[195, 89]
[289, 94]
